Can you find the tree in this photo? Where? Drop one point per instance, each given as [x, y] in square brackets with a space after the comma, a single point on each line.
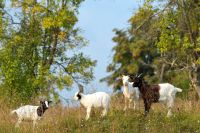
[168, 35]
[179, 40]
[39, 51]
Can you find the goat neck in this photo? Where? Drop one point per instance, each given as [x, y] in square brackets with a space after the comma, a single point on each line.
[83, 100]
[142, 87]
[126, 90]
[41, 110]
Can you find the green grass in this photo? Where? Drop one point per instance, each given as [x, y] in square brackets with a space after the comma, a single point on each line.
[186, 119]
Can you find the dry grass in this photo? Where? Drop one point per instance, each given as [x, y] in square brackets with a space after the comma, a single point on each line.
[57, 119]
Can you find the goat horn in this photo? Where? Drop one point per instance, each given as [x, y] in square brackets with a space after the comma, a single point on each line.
[139, 75]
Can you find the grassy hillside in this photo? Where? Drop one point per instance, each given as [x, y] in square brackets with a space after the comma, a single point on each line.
[186, 119]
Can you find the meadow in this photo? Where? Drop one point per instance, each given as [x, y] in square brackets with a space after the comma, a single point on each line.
[58, 119]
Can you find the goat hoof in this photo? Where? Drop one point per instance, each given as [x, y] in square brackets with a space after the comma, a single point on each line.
[145, 115]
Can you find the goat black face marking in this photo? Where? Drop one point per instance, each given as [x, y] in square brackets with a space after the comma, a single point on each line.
[42, 108]
[79, 96]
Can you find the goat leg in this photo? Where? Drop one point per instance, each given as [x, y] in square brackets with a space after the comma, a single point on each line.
[147, 106]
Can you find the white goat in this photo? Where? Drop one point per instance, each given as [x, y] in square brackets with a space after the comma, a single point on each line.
[131, 94]
[98, 99]
[30, 112]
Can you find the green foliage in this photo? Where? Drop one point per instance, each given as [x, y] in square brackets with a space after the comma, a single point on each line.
[160, 42]
[40, 53]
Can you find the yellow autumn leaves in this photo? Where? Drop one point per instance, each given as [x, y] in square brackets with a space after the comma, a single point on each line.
[62, 18]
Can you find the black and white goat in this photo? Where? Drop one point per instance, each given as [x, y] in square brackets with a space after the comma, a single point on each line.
[30, 112]
[155, 93]
[131, 94]
[98, 99]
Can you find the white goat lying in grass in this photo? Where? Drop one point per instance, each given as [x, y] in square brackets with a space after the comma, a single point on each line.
[131, 94]
[98, 99]
[30, 112]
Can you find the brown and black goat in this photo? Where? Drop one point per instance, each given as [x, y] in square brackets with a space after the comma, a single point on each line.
[155, 93]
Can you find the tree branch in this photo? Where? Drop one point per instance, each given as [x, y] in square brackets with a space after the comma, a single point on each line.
[11, 17]
[151, 16]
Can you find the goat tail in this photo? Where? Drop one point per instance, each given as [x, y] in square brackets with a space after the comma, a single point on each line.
[12, 112]
[178, 89]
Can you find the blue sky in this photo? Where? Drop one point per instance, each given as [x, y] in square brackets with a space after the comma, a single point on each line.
[97, 19]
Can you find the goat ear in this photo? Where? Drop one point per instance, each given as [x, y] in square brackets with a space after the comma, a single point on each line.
[80, 88]
[49, 102]
[41, 102]
[131, 77]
